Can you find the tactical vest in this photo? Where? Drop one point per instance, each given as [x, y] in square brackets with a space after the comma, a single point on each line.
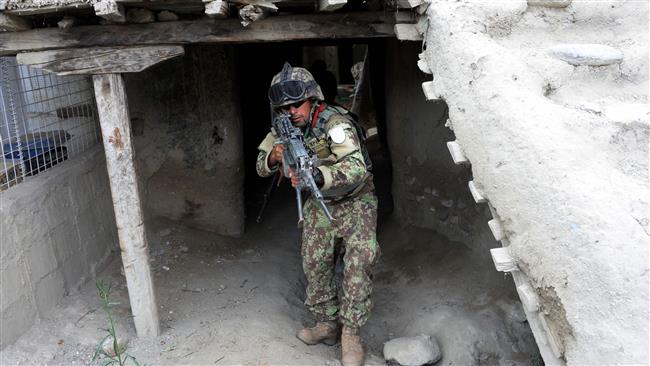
[317, 140]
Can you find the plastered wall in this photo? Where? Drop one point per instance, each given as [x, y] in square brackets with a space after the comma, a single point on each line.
[57, 232]
[188, 139]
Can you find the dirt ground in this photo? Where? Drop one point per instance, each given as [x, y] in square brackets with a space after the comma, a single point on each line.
[227, 301]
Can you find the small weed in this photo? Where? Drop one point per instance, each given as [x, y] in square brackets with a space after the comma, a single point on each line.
[116, 354]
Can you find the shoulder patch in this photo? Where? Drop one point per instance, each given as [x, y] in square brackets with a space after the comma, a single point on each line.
[337, 134]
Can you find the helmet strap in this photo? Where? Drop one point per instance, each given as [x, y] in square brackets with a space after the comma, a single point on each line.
[316, 108]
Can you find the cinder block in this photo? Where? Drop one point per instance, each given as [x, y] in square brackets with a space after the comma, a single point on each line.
[65, 241]
[40, 259]
[48, 292]
[12, 282]
[75, 272]
[15, 320]
[8, 239]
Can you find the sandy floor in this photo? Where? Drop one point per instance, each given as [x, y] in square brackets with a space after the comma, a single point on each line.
[230, 301]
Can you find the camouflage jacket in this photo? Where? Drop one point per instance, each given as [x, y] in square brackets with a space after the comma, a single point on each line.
[334, 139]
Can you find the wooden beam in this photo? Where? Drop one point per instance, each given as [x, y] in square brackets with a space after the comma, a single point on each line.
[105, 60]
[120, 162]
[272, 29]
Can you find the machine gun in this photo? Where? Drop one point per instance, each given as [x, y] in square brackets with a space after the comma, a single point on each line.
[296, 158]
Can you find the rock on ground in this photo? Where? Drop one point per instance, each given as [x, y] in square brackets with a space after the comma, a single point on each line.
[412, 351]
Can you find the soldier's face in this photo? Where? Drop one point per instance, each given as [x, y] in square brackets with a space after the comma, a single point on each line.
[298, 111]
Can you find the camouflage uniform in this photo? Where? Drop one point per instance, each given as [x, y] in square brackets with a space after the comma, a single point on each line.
[349, 193]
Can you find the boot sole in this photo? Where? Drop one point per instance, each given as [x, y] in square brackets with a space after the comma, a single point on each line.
[328, 341]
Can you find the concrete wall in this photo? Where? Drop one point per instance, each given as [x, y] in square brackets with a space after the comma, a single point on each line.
[188, 139]
[561, 152]
[57, 232]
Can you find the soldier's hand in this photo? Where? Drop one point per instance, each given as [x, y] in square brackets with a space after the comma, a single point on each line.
[275, 157]
[295, 178]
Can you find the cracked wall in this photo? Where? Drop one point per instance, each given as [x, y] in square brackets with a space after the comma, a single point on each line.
[188, 139]
[561, 153]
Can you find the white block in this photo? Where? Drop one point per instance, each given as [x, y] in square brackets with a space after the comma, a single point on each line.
[424, 67]
[456, 153]
[503, 261]
[429, 90]
[331, 5]
[407, 32]
[528, 297]
[552, 340]
[476, 193]
[497, 229]
[408, 4]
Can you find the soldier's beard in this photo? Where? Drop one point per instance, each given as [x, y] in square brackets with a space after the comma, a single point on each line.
[300, 124]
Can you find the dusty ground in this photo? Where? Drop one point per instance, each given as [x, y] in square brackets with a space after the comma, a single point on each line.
[239, 301]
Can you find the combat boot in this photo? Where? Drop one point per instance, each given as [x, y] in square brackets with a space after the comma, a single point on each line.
[351, 347]
[323, 332]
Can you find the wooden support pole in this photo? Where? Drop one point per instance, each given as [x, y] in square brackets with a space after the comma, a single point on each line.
[120, 161]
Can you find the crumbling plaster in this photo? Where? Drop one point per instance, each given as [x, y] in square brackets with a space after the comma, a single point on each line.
[188, 139]
[58, 230]
[563, 166]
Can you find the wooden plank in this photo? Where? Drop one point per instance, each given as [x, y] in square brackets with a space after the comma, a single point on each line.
[272, 29]
[114, 120]
[105, 60]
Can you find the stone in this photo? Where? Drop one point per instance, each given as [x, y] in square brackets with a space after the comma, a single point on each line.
[412, 351]
[550, 3]
[109, 348]
[165, 232]
[140, 16]
[587, 54]
[167, 16]
[67, 22]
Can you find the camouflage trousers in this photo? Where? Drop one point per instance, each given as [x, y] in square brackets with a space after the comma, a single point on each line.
[352, 234]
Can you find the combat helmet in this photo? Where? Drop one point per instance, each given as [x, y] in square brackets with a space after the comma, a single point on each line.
[293, 84]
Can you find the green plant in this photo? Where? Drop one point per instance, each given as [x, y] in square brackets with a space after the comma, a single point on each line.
[115, 354]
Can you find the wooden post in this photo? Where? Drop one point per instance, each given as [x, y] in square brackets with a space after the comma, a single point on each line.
[120, 162]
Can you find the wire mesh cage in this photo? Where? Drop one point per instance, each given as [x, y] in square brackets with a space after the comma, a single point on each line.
[45, 120]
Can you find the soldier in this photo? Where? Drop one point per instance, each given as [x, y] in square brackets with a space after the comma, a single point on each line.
[345, 180]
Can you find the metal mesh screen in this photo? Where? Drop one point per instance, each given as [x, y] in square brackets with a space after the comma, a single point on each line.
[46, 119]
